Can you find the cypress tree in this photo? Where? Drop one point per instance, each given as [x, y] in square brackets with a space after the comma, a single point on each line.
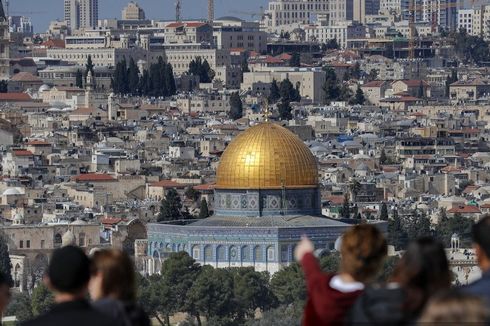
[133, 78]
[236, 110]
[5, 263]
[274, 95]
[79, 79]
[204, 211]
[170, 206]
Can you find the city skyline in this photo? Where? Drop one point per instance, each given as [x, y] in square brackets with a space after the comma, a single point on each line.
[192, 9]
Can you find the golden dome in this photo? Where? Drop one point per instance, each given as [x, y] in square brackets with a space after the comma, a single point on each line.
[267, 156]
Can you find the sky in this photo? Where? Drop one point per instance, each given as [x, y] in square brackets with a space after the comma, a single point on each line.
[44, 11]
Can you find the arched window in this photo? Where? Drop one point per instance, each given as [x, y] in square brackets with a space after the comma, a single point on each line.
[208, 253]
[258, 255]
[57, 240]
[221, 253]
[246, 253]
[81, 239]
[234, 254]
[284, 253]
[196, 252]
[271, 253]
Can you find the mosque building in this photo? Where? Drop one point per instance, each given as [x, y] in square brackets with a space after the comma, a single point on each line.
[266, 197]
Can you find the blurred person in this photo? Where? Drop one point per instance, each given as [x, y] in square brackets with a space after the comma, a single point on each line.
[422, 271]
[113, 289]
[481, 243]
[68, 276]
[455, 308]
[5, 293]
[330, 296]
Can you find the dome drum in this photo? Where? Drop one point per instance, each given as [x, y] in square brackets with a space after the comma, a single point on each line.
[268, 202]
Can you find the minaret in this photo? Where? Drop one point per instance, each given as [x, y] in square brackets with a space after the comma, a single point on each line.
[89, 87]
[4, 44]
[210, 11]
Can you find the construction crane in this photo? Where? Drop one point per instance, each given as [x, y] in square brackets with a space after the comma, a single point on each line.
[178, 11]
[434, 10]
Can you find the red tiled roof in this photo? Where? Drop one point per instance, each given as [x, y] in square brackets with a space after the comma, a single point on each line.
[167, 184]
[112, 220]
[336, 200]
[22, 152]
[464, 209]
[374, 83]
[38, 143]
[17, 97]
[24, 76]
[94, 177]
[208, 186]
[54, 43]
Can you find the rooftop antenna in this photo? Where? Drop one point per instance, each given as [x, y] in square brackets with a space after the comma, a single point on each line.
[178, 11]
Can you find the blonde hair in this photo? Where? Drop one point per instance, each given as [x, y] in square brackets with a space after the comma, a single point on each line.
[363, 250]
[456, 308]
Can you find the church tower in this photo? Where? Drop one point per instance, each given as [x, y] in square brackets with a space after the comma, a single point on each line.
[4, 45]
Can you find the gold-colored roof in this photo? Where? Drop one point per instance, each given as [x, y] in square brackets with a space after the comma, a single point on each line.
[267, 156]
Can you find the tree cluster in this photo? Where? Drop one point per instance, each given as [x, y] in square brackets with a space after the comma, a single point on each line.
[158, 80]
[470, 48]
[336, 90]
[284, 93]
[222, 296]
[25, 306]
[200, 68]
[170, 207]
[236, 106]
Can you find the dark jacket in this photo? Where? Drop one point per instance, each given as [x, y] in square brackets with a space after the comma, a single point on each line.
[126, 314]
[325, 305]
[380, 306]
[73, 313]
[480, 288]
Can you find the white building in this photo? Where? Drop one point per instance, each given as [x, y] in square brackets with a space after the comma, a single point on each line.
[290, 12]
[81, 13]
[133, 12]
[341, 32]
[465, 20]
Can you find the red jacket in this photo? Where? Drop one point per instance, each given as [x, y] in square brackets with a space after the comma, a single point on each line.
[325, 306]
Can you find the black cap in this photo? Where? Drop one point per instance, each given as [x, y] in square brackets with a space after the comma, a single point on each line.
[69, 269]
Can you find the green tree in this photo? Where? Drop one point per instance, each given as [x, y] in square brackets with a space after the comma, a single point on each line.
[4, 86]
[295, 60]
[89, 66]
[355, 187]
[332, 44]
[155, 295]
[288, 285]
[358, 98]
[285, 110]
[251, 291]
[420, 91]
[171, 206]
[212, 293]
[144, 83]
[170, 80]
[345, 93]
[451, 79]
[41, 300]
[79, 79]
[471, 48]
[200, 68]
[384, 212]
[373, 75]
[345, 210]
[204, 211]
[331, 90]
[418, 226]
[382, 157]
[274, 94]
[5, 263]
[20, 307]
[133, 78]
[397, 236]
[284, 315]
[457, 224]
[330, 263]
[236, 106]
[192, 194]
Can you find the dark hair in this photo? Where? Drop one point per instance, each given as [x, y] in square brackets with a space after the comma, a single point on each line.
[363, 249]
[422, 271]
[480, 233]
[118, 275]
[69, 270]
[4, 280]
[455, 308]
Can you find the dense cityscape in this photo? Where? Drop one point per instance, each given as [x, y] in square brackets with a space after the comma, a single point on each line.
[232, 158]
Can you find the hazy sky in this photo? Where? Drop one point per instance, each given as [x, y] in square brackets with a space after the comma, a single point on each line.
[43, 11]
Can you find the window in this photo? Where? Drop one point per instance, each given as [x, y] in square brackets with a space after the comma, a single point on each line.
[28, 243]
[270, 254]
[42, 244]
[196, 251]
[81, 240]
[21, 244]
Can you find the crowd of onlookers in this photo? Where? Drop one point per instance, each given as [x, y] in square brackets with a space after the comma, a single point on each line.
[107, 277]
[418, 291]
